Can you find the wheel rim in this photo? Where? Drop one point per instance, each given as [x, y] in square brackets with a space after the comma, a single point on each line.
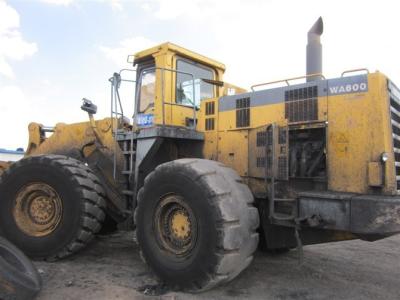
[38, 209]
[175, 225]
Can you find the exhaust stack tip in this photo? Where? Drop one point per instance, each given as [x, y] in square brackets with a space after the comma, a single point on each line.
[317, 29]
[314, 50]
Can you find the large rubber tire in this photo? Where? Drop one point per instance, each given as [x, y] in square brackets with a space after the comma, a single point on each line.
[226, 223]
[19, 279]
[81, 197]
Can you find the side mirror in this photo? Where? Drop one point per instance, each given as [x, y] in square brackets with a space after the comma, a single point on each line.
[88, 106]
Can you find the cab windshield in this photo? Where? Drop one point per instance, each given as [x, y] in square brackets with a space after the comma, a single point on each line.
[147, 90]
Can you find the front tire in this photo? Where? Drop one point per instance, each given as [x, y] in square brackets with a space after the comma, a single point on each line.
[196, 225]
[51, 205]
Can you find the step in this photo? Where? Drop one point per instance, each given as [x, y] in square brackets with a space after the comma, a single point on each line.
[129, 152]
[126, 172]
[284, 207]
[127, 192]
[283, 217]
[285, 199]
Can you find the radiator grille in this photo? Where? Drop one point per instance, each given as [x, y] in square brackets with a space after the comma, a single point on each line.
[282, 135]
[261, 139]
[301, 104]
[282, 167]
[269, 140]
[260, 162]
[243, 112]
[394, 94]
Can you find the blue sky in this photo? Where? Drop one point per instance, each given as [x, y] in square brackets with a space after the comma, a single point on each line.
[54, 52]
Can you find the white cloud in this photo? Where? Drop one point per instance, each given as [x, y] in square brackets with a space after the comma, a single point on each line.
[190, 9]
[9, 17]
[12, 44]
[171, 9]
[58, 2]
[115, 4]
[14, 108]
[19, 106]
[126, 47]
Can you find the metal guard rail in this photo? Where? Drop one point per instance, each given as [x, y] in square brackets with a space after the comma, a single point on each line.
[288, 79]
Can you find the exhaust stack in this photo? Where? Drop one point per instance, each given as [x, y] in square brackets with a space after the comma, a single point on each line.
[314, 50]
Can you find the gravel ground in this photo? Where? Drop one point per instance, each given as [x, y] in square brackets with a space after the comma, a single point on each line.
[111, 268]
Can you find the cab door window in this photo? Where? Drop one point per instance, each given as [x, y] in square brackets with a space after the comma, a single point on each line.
[185, 85]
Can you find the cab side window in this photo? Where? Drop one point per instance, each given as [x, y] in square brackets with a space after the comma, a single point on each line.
[185, 85]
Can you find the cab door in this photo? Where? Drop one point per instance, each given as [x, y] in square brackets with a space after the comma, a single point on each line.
[145, 96]
[189, 90]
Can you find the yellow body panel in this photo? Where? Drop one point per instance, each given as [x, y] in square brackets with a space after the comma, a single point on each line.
[358, 133]
[69, 136]
[233, 150]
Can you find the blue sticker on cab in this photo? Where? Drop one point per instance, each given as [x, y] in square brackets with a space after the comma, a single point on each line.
[145, 119]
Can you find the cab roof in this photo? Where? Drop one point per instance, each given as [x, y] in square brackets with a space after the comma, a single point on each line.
[170, 47]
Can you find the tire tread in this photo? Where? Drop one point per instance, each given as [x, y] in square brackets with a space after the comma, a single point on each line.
[92, 194]
[236, 221]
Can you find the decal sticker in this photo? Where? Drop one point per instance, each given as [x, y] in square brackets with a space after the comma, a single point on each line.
[144, 119]
[348, 85]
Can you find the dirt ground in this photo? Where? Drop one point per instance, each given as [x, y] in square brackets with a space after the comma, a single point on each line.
[111, 268]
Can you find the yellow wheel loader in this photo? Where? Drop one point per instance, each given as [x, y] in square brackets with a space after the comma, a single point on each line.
[207, 171]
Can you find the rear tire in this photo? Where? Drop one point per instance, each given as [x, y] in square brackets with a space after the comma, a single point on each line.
[196, 224]
[51, 205]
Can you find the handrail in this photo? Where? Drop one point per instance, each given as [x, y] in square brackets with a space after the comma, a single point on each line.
[117, 110]
[127, 70]
[288, 79]
[355, 70]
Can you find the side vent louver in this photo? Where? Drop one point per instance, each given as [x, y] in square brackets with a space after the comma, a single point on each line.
[243, 112]
[210, 124]
[210, 108]
[301, 104]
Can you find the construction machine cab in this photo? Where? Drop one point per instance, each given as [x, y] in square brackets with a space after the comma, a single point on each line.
[170, 84]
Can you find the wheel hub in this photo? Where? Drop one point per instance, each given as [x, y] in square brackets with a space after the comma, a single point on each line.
[180, 224]
[38, 209]
[41, 210]
[175, 224]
